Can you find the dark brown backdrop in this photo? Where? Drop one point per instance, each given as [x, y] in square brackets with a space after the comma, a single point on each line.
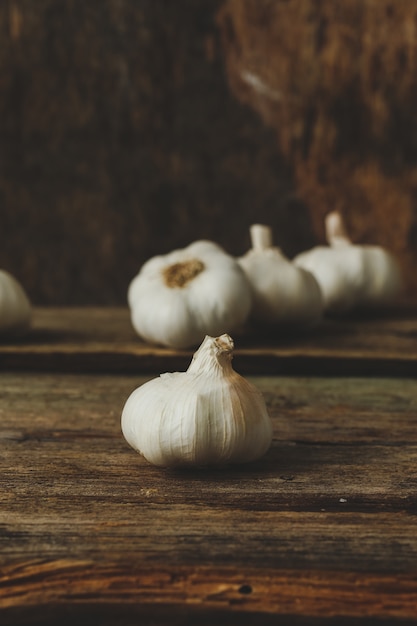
[120, 136]
[120, 139]
[338, 83]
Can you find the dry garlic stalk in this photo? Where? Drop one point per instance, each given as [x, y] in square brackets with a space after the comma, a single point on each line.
[351, 275]
[208, 415]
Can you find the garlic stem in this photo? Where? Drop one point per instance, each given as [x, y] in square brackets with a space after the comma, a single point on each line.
[214, 354]
[336, 233]
[261, 236]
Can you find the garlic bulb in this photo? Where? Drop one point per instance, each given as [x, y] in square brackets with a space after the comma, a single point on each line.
[351, 275]
[208, 415]
[282, 293]
[15, 309]
[178, 298]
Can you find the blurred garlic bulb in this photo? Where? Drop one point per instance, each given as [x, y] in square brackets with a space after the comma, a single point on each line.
[351, 275]
[208, 415]
[15, 309]
[282, 293]
[178, 298]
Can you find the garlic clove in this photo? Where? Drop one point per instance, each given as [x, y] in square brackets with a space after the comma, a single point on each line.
[282, 293]
[351, 275]
[15, 308]
[177, 299]
[208, 415]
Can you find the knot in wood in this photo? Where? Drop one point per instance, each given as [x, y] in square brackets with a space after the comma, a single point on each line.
[180, 274]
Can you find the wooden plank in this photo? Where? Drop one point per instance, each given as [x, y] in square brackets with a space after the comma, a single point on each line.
[102, 339]
[223, 594]
[323, 527]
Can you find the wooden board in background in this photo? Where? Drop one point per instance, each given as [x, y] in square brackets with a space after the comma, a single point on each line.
[102, 339]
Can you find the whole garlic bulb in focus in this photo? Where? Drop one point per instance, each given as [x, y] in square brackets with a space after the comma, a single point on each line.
[208, 415]
[351, 275]
[282, 293]
[178, 298]
[15, 308]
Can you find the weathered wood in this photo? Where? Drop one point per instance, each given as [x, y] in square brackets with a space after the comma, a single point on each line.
[113, 149]
[337, 82]
[322, 527]
[102, 339]
[221, 593]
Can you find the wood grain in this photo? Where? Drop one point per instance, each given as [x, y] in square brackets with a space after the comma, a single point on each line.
[102, 339]
[323, 527]
[220, 593]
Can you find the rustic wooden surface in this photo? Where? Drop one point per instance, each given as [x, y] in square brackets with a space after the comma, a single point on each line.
[323, 526]
[102, 339]
[322, 530]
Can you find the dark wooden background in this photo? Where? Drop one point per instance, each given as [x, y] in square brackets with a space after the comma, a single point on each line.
[125, 132]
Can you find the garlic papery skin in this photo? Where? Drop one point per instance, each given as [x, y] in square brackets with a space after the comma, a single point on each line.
[178, 298]
[208, 415]
[351, 275]
[282, 294]
[15, 308]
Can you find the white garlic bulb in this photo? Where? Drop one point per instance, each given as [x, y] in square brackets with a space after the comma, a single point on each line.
[351, 275]
[282, 293]
[15, 308]
[208, 415]
[178, 298]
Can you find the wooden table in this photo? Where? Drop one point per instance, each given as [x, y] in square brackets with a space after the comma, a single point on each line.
[322, 530]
